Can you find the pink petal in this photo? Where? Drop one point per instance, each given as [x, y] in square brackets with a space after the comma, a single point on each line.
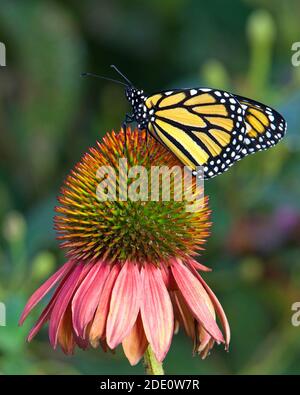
[204, 338]
[124, 305]
[98, 326]
[81, 343]
[166, 275]
[65, 333]
[156, 311]
[196, 298]
[198, 265]
[205, 342]
[63, 300]
[183, 314]
[44, 317]
[135, 344]
[219, 309]
[86, 298]
[45, 288]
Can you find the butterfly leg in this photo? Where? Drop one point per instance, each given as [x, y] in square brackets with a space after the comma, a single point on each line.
[128, 119]
[124, 128]
[146, 142]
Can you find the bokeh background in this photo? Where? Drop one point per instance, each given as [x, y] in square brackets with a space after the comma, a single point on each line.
[49, 116]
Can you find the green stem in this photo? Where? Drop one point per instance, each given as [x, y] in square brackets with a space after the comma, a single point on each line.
[152, 366]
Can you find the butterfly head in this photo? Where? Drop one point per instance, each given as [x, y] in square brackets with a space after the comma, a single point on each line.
[136, 98]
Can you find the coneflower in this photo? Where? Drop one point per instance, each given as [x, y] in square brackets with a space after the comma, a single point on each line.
[131, 277]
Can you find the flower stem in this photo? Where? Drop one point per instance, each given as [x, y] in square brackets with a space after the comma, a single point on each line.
[152, 366]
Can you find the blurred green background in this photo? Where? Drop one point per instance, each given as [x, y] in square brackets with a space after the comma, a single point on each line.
[49, 117]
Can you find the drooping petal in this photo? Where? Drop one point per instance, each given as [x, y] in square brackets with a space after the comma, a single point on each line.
[44, 317]
[63, 300]
[135, 344]
[46, 313]
[166, 275]
[156, 311]
[98, 325]
[204, 338]
[218, 308]
[124, 305]
[65, 335]
[104, 345]
[176, 325]
[183, 314]
[196, 298]
[220, 312]
[81, 343]
[45, 288]
[86, 298]
[205, 343]
[198, 265]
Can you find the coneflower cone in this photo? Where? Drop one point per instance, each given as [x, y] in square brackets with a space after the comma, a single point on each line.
[131, 275]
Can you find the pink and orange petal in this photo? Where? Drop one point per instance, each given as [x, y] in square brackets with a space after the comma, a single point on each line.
[130, 304]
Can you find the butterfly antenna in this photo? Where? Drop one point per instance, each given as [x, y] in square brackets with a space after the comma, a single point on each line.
[121, 74]
[103, 78]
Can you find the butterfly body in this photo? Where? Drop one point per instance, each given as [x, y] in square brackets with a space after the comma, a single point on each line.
[137, 99]
[207, 129]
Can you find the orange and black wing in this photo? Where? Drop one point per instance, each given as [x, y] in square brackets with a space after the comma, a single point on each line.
[202, 127]
[265, 127]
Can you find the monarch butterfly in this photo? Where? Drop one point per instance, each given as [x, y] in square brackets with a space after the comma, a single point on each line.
[203, 126]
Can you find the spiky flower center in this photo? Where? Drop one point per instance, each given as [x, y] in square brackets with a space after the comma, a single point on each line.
[119, 229]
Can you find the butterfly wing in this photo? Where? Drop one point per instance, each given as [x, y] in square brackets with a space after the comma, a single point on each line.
[202, 127]
[265, 127]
